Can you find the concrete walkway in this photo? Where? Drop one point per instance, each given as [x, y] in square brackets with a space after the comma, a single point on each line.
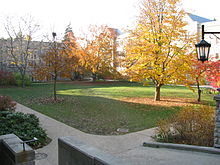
[127, 147]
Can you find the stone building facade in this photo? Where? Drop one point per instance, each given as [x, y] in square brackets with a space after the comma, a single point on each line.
[35, 50]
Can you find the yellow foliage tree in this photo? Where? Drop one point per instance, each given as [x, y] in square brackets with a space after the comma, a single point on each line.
[159, 48]
[99, 50]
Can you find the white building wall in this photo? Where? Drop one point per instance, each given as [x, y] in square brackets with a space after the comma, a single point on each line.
[192, 26]
[214, 40]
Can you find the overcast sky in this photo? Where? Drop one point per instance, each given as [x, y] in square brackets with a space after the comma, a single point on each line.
[55, 15]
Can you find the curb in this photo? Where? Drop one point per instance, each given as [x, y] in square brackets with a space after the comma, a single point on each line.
[209, 150]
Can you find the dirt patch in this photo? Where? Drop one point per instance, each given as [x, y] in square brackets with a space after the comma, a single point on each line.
[168, 102]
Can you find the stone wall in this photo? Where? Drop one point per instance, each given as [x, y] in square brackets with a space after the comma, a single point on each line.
[11, 151]
[217, 122]
[74, 152]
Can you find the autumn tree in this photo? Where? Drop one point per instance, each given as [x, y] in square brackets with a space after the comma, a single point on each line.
[68, 34]
[213, 73]
[20, 45]
[197, 75]
[200, 72]
[55, 63]
[158, 48]
[99, 50]
[76, 67]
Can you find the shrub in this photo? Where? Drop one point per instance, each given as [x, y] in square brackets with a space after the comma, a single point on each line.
[25, 126]
[6, 78]
[18, 79]
[192, 125]
[7, 104]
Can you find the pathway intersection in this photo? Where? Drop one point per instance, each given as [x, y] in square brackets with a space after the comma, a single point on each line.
[126, 147]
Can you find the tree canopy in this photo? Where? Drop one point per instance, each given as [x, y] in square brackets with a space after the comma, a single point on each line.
[159, 48]
[99, 51]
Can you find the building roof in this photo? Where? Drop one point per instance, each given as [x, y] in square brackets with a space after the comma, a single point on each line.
[198, 18]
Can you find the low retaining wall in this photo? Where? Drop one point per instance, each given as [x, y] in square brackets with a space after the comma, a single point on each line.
[210, 150]
[74, 152]
[11, 151]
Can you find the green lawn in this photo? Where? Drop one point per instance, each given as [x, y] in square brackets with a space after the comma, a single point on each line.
[98, 108]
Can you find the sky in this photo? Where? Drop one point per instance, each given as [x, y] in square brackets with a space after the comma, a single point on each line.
[205, 8]
[54, 15]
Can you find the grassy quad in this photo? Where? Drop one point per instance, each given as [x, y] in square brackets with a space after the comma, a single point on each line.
[102, 108]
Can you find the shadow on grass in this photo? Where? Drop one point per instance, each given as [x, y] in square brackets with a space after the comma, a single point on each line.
[103, 116]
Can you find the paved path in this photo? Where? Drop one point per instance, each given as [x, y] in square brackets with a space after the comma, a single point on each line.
[127, 147]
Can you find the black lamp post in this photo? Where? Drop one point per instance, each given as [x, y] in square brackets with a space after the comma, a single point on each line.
[203, 47]
[54, 35]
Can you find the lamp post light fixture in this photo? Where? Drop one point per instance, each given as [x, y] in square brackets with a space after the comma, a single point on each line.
[203, 47]
[54, 35]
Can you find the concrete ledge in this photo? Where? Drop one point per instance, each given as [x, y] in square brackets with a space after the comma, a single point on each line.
[217, 146]
[209, 150]
[74, 152]
[11, 150]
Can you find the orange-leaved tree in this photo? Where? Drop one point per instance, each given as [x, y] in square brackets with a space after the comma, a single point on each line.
[159, 48]
[75, 66]
[55, 63]
[200, 72]
[196, 75]
[213, 73]
[98, 49]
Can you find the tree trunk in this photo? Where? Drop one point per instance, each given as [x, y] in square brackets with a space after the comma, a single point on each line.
[22, 78]
[157, 93]
[199, 90]
[55, 88]
[94, 77]
[199, 95]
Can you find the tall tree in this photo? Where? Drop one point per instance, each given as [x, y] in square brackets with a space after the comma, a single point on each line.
[98, 51]
[20, 46]
[76, 67]
[68, 34]
[55, 63]
[158, 48]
